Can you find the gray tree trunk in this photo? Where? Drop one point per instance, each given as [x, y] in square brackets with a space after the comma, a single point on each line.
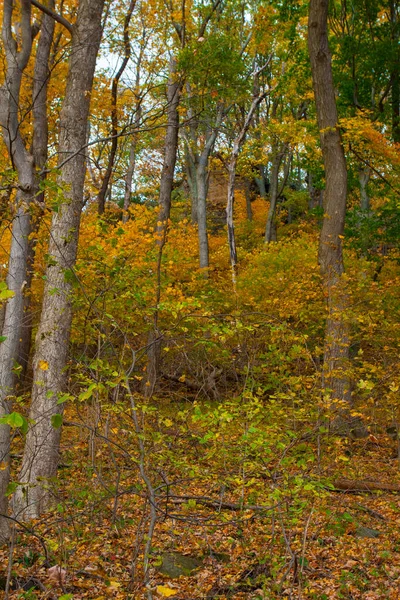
[16, 62]
[364, 174]
[270, 228]
[201, 203]
[41, 453]
[41, 78]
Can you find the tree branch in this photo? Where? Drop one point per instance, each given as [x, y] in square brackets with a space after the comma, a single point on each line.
[48, 11]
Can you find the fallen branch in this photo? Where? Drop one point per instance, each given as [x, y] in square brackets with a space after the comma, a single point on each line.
[218, 504]
[364, 486]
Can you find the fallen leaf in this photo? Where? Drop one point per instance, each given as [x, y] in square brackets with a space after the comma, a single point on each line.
[165, 591]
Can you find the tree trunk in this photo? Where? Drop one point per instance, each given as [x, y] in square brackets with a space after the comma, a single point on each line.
[336, 379]
[364, 174]
[171, 147]
[202, 189]
[237, 144]
[167, 178]
[395, 75]
[270, 228]
[41, 78]
[16, 62]
[41, 453]
[101, 198]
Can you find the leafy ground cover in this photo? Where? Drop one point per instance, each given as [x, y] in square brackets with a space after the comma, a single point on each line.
[254, 505]
[227, 482]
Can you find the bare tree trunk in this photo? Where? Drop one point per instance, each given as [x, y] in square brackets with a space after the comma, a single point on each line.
[22, 161]
[132, 151]
[364, 174]
[336, 355]
[201, 202]
[41, 453]
[191, 170]
[171, 146]
[41, 78]
[101, 198]
[231, 180]
[270, 228]
[167, 178]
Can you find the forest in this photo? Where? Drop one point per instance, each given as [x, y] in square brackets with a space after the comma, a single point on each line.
[200, 299]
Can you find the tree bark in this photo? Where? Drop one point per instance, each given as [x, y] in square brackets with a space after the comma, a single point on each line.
[41, 453]
[336, 381]
[270, 228]
[364, 175]
[395, 75]
[22, 161]
[41, 78]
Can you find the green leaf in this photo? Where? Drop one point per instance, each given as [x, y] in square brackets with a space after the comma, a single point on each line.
[14, 419]
[12, 486]
[5, 293]
[66, 597]
[3, 338]
[56, 421]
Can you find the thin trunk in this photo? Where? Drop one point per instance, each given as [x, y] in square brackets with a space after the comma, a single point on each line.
[202, 189]
[364, 174]
[132, 151]
[262, 181]
[190, 167]
[167, 178]
[270, 229]
[202, 179]
[41, 453]
[101, 198]
[171, 146]
[237, 144]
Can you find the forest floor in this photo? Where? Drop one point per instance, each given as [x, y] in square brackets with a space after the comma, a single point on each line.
[243, 511]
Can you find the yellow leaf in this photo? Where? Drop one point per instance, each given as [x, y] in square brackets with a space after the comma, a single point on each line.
[182, 378]
[114, 584]
[3, 466]
[44, 365]
[165, 591]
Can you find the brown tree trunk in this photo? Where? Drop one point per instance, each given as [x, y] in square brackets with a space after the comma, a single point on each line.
[395, 75]
[336, 380]
[41, 453]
